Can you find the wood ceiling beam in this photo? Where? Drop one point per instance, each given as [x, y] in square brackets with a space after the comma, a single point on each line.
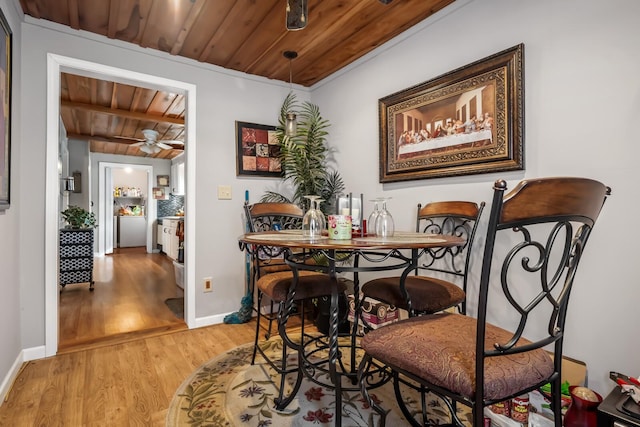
[83, 137]
[122, 113]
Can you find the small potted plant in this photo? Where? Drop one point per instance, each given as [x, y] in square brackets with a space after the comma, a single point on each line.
[76, 247]
[78, 218]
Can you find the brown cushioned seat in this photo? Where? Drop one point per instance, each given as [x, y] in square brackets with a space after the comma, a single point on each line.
[428, 294]
[432, 353]
[310, 285]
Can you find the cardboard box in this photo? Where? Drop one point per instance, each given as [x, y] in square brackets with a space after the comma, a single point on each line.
[574, 372]
[376, 313]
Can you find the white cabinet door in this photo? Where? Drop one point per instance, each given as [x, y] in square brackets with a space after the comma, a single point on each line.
[175, 243]
[177, 179]
[159, 235]
[166, 240]
[170, 240]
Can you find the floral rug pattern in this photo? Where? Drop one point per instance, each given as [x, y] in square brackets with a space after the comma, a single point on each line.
[229, 391]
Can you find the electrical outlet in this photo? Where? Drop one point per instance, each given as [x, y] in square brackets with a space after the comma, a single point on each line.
[224, 192]
[207, 284]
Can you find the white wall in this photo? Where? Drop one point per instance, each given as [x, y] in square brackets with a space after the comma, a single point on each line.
[222, 98]
[582, 98]
[79, 162]
[10, 303]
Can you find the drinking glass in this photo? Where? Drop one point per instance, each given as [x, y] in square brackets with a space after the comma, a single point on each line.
[384, 224]
[313, 221]
[371, 222]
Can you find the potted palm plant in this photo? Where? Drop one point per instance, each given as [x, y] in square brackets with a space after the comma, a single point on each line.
[305, 157]
[305, 160]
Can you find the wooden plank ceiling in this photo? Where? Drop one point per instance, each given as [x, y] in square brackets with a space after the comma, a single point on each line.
[244, 35]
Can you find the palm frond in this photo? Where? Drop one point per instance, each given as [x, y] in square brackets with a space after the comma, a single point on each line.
[273, 197]
[304, 158]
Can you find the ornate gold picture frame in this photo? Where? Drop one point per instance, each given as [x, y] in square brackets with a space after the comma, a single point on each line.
[468, 121]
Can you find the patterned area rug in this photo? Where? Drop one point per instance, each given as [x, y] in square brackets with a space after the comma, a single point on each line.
[229, 391]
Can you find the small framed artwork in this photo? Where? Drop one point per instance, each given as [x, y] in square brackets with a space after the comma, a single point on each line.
[467, 121]
[159, 193]
[257, 150]
[5, 117]
[163, 180]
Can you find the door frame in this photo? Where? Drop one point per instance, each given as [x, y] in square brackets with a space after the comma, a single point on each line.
[55, 65]
[105, 207]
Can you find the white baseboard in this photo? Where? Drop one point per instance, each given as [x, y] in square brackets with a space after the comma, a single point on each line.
[210, 320]
[24, 356]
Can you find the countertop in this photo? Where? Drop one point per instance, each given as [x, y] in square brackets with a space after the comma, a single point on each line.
[173, 218]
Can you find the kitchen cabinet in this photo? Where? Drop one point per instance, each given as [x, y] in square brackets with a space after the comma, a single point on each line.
[170, 240]
[177, 179]
[159, 233]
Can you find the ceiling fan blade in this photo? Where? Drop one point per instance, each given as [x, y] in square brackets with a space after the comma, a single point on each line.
[129, 138]
[138, 144]
[172, 141]
[163, 146]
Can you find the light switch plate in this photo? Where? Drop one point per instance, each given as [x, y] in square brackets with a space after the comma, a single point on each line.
[224, 192]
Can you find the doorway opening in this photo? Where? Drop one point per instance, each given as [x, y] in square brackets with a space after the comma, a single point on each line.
[57, 64]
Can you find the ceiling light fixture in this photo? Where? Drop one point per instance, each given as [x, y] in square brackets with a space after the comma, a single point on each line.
[146, 149]
[297, 13]
[291, 124]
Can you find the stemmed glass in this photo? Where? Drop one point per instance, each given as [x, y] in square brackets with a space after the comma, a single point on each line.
[313, 222]
[371, 222]
[384, 224]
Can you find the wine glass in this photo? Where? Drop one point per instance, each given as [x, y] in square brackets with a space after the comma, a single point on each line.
[384, 224]
[371, 222]
[313, 221]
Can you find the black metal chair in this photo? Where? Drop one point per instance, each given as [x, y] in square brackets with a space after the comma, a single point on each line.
[535, 239]
[272, 277]
[441, 277]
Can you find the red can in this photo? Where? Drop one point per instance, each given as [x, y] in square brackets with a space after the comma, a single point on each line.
[502, 408]
[520, 409]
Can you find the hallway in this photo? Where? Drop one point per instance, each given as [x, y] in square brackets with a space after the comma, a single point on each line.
[128, 302]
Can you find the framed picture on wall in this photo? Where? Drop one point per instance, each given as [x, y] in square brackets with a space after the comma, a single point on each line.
[159, 193]
[257, 150]
[467, 121]
[5, 117]
[163, 180]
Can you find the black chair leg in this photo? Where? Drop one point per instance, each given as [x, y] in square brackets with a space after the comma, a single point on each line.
[363, 371]
[258, 317]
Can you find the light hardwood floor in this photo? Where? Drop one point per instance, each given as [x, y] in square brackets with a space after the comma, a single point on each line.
[128, 384]
[122, 352]
[128, 302]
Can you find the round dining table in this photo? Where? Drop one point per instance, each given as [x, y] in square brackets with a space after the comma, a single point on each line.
[360, 253]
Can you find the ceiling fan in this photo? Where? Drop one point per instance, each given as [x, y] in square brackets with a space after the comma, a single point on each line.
[151, 145]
